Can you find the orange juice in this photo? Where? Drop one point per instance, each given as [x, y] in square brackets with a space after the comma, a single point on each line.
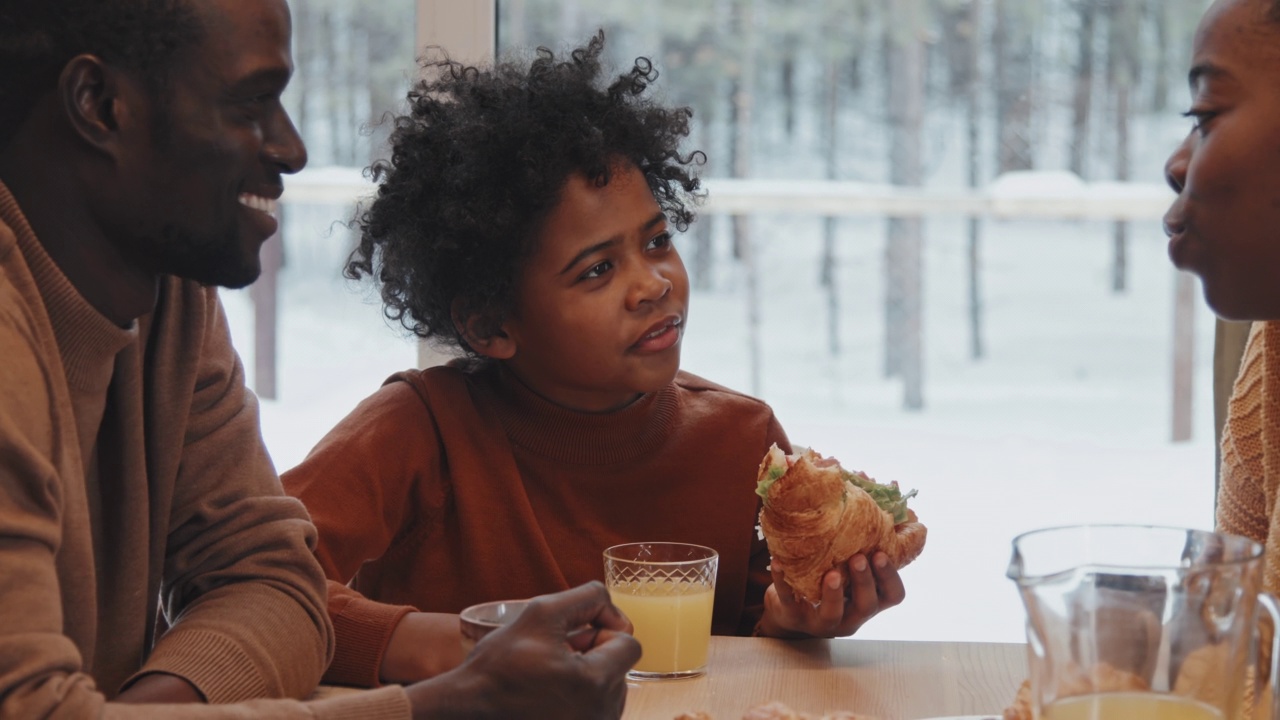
[672, 621]
[1129, 706]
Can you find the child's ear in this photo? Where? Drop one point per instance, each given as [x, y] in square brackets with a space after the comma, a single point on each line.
[483, 337]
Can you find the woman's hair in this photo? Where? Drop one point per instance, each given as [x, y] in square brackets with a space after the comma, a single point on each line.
[37, 39]
[481, 159]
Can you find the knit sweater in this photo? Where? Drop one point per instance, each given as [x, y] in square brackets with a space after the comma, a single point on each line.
[1251, 450]
[133, 477]
[453, 486]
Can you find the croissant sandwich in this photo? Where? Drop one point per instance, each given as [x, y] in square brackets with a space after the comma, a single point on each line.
[817, 515]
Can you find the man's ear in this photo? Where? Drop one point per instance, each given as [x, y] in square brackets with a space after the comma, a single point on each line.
[95, 101]
[484, 335]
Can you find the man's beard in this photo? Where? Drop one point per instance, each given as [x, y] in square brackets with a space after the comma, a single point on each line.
[211, 259]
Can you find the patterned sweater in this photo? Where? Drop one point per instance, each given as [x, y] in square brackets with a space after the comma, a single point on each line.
[1251, 450]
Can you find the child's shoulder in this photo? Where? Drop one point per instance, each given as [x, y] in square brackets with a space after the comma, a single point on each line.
[701, 389]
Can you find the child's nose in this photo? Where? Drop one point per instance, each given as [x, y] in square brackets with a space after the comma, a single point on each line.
[650, 285]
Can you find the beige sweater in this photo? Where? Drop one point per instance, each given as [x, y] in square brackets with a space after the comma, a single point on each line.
[1251, 450]
[132, 474]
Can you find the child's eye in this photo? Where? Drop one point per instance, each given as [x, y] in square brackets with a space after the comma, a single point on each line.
[596, 270]
[661, 241]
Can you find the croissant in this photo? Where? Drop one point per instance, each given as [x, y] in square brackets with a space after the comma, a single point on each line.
[817, 515]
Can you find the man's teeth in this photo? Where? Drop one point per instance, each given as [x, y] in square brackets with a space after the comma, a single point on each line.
[257, 202]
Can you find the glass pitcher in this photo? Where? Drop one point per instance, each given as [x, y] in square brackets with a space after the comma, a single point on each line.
[1144, 622]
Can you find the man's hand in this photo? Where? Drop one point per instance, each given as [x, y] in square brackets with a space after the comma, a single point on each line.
[871, 587]
[565, 657]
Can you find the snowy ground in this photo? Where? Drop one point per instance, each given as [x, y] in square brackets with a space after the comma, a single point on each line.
[1065, 421]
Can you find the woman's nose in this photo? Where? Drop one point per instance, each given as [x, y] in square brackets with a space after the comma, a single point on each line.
[1175, 168]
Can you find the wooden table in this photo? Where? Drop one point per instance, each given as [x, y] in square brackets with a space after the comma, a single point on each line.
[889, 680]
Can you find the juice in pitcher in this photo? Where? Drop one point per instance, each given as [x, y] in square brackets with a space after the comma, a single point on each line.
[1130, 706]
[672, 622]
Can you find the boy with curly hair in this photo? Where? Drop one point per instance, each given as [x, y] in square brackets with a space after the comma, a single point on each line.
[525, 217]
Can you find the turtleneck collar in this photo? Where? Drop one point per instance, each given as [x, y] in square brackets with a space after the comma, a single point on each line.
[535, 424]
[87, 340]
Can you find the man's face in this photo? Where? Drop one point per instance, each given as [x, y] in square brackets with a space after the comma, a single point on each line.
[601, 304]
[200, 190]
[1225, 224]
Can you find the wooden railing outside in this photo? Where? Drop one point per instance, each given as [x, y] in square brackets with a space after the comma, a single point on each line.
[1014, 196]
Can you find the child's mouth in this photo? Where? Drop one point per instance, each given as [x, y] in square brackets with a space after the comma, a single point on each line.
[662, 337]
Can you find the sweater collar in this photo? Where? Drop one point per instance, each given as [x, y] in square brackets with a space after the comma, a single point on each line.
[542, 427]
[87, 340]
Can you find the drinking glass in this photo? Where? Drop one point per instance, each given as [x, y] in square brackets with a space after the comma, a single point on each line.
[667, 590]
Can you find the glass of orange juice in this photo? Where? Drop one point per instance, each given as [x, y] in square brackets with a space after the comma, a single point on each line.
[667, 590]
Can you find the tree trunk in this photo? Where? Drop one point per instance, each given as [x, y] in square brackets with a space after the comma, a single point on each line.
[973, 124]
[906, 234]
[1159, 11]
[703, 256]
[788, 82]
[1082, 93]
[1014, 70]
[1120, 245]
[828, 273]
[1122, 74]
[1184, 353]
[744, 86]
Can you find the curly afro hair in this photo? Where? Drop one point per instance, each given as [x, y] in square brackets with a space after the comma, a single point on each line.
[480, 160]
[37, 39]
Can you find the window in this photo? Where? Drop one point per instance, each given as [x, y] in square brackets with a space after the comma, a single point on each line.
[1018, 368]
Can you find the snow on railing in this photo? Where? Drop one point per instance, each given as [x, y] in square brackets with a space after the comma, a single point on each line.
[1030, 194]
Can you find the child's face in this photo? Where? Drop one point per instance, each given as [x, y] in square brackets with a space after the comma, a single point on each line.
[601, 304]
[1225, 224]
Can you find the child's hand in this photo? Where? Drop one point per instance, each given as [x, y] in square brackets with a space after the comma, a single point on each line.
[872, 587]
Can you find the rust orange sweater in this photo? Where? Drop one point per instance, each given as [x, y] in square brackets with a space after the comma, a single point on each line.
[452, 486]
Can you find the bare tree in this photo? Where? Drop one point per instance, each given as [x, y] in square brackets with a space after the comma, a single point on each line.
[1122, 74]
[903, 251]
[1013, 38]
[1082, 88]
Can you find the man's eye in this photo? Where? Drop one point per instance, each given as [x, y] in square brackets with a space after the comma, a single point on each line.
[596, 270]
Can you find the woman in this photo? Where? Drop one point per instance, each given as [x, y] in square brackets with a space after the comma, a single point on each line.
[1225, 227]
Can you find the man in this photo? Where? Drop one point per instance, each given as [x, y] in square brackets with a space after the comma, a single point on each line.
[142, 144]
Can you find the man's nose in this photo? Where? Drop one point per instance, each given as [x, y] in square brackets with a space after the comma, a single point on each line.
[283, 146]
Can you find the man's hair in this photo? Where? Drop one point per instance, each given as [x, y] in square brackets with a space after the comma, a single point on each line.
[39, 37]
[481, 159]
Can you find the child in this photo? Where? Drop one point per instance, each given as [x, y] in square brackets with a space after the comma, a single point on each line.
[526, 218]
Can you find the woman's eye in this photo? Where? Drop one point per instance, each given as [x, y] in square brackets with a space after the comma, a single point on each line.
[596, 270]
[1199, 118]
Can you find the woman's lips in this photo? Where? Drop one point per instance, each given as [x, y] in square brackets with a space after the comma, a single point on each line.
[662, 337]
